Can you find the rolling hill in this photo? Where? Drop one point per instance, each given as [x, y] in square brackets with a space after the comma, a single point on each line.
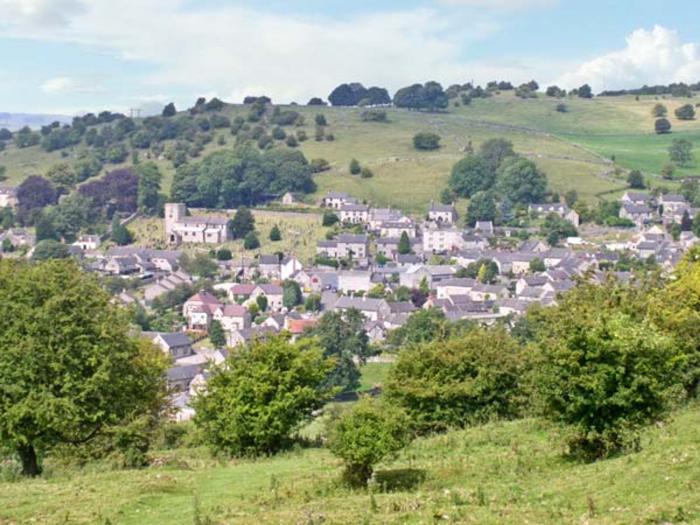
[575, 148]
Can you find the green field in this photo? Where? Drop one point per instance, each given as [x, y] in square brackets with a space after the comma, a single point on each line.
[501, 473]
[574, 148]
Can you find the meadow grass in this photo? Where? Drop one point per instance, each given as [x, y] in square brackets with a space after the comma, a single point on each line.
[498, 473]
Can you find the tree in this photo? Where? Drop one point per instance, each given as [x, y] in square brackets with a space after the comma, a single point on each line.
[470, 175]
[250, 241]
[59, 318]
[49, 249]
[315, 101]
[275, 234]
[344, 339]
[600, 369]
[199, 265]
[120, 234]
[404, 244]
[495, 151]
[355, 167]
[34, 193]
[482, 207]
[242, 223]
[366, 434]
[585, 91]
[44, 228]
[685, 112]
[459, 381]
[252, 405]
[423, 326]
[320, 119]
[354, 93]
[681, 152]
[426, 141]
[223, 254]
[659, 111]
[635, 180]
[662, 125]
[329, 218]
[217, 336]
[291, 294]
[148, 197]
[169, 110]
[537, 265]
[686, 222]
[261, 302]
[667, 171]
[427, 97]
[313, 303]
[521, 181]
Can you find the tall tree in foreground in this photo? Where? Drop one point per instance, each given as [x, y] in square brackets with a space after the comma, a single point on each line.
[263, 394]
[68, 366]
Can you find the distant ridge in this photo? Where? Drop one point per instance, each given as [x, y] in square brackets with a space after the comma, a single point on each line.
[15, 121]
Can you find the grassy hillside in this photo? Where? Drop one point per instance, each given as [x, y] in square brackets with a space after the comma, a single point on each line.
[501, 473]
[574, 147]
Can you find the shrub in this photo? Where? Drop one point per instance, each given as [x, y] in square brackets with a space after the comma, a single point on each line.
[366, 173]
[263, 394]
[330, 218]
[426, 141]
[374, 115]
[366, 434]
[355, 167]
[250, 241]
[685, 112]
[319, 165]
[662, 126]
[275, 234]
[461, 381]
[601, 372]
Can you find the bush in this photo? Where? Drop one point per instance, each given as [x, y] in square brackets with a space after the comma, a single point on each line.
[686, 112]
[223, 254]
[319, 165]
[458, 382]
[355, 167]
[275, 234]
[263, 394]
[374, 115]
[426, 141]
[330, 218]
[366, 434]
[366, 173]
[662, 126]
[601, 372]
[250, 241]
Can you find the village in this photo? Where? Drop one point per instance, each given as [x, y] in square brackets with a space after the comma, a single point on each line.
[383, 263]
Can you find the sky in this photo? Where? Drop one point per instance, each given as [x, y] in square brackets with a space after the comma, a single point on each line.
[73, 56]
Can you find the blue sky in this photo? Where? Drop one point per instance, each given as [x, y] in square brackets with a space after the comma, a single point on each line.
[71, 56]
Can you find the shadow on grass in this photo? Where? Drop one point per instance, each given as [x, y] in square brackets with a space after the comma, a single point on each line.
[399, 479]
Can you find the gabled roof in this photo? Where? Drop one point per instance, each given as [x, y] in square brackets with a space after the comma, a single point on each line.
[360, 303]
[204, 298]
[174, 339]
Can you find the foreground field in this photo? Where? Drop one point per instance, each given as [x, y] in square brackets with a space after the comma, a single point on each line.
[501, 473]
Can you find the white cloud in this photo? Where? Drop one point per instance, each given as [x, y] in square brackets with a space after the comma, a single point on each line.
[656, 56]
[234, 51]
[60, 85]
[38, 13]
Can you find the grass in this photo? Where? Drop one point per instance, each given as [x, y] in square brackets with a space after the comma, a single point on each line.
[374, 374]
[300, 231]
[499, 473]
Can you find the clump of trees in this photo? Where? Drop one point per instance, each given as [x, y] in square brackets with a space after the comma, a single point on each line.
[243, 176]
[423, 97]
[355, 94]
